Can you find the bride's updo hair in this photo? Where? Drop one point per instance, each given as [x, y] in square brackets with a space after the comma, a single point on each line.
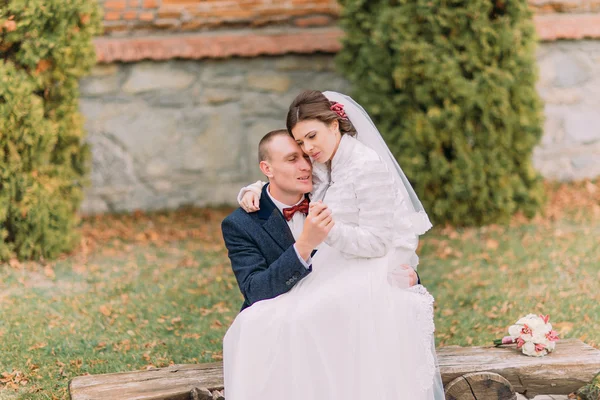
[312, 104]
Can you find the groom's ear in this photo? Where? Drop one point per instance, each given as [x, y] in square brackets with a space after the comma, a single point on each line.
[266, 169]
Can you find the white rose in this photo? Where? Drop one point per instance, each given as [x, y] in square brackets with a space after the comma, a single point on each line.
[539, 337]
[551, 346]
[529, 349]
[528, 337]
[514, 330]
[526, 319]
[536, 324]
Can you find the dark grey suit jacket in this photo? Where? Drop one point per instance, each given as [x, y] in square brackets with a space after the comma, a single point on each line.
[260, 246]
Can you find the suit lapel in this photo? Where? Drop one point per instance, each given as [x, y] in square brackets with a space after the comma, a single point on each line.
[273, 222]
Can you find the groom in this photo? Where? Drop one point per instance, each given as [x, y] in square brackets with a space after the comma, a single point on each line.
[270, 250]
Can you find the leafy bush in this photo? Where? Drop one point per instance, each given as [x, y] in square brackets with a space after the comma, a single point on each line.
[45, 47]
[451, 86]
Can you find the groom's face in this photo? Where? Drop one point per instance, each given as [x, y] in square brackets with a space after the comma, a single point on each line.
[287, 166]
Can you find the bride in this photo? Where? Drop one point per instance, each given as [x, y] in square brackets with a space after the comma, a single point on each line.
[352, 329]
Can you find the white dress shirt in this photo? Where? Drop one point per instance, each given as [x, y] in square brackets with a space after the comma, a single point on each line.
[296, 225]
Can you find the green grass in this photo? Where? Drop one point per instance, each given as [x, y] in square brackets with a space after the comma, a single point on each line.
[151, 290]
[141, 297]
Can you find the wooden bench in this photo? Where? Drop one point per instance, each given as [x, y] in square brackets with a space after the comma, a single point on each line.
[572, 365]
[468, 373]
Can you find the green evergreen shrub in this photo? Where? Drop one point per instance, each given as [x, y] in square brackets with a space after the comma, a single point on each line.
[45, 48]
[451, 86]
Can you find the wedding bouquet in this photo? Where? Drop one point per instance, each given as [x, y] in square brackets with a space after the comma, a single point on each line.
[533, 335]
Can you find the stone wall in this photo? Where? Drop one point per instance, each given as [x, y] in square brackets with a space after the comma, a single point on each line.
[167, 134]
[569, 84]
[183, 129]
[174, 133]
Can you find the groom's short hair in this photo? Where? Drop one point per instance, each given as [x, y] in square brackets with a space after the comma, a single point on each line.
[263, 151]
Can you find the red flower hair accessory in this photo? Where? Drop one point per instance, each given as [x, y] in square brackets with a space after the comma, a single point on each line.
[338, 109]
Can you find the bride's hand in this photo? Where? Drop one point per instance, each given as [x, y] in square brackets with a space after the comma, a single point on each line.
[250, 202]
[403, 276]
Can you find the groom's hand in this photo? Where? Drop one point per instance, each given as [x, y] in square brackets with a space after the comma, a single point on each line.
[316, 228]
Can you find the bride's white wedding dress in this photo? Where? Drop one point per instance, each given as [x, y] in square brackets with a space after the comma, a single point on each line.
[343, 332]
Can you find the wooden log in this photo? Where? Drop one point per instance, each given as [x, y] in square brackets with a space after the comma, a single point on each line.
[200, 394]
[572, 365]
[173, 383]
[480, 386]
[218, 395]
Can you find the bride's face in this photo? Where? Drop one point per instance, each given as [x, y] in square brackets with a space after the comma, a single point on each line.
[317, 139]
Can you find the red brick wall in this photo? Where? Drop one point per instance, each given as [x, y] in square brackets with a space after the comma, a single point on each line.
[123, 17]
[565, 6]
[132, 27]
[126, 17]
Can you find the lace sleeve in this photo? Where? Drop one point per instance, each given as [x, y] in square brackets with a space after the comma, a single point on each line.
[373, 235]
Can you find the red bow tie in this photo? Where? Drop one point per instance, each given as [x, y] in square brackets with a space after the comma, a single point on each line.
[289, 212]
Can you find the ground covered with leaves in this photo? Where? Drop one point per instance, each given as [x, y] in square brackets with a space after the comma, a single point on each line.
[149, 290]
